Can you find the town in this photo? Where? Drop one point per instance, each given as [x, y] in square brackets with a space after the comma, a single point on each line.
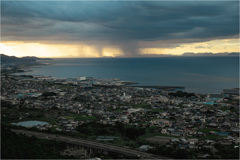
[152, 120]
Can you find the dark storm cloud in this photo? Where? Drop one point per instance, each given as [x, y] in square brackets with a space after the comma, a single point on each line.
[121, 24]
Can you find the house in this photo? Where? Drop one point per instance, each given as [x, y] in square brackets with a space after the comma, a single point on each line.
[193, 141]
[163, 114]
[183, 140]
[204, 156]
[163, 131]
[226, 143]
[189, 131]
[145, 148]
[176, 133]
[125, 97]
[174, 140]
[163, 99]
[132, 110]
[162, 122]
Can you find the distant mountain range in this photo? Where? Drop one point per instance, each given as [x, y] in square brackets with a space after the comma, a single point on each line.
[13, 59]
[211, 54]
[187, 54]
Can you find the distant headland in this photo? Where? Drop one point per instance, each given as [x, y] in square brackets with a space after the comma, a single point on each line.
[13, 59]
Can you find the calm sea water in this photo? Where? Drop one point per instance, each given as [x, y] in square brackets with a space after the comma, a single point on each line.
[197, 74]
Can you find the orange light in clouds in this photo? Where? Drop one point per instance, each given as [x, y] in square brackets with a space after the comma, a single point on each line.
[21, 49]
[214, 46]
[112, 52]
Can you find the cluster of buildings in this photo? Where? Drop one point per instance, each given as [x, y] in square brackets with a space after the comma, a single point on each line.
[189, 119]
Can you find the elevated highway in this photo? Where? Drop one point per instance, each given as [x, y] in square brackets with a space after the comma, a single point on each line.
[92, 144]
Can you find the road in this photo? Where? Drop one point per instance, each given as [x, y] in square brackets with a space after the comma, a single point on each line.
[91, 144]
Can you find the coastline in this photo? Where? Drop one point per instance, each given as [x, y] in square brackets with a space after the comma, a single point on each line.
[73, 105]
[202, 77]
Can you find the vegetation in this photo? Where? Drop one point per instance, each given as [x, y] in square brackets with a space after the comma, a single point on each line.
[227, 152]
[78, 117]
[64, 86]
[171, 152]
[46, 94]
[18, 146]
[125, 131]
[224, 152]
[128, 135]
[118, 110]
[157, 110]
[182, 94]
[12, 114]
[50, 120]
[208, 137]
[141, 105]
[232, 101]
[147, 135]
[207, 130]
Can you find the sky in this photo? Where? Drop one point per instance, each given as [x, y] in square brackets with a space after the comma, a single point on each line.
[118, 28]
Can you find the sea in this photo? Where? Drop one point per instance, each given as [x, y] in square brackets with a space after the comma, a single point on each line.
[196, 74]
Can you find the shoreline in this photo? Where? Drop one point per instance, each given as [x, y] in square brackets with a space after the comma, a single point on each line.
[156, 82]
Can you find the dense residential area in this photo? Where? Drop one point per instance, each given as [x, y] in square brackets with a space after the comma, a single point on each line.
[171, 123]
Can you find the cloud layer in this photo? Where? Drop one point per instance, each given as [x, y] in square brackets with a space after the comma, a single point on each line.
[126, 25]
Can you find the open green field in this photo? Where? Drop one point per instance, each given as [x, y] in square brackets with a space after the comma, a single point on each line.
[148, 135]
[157, 110]
[209, 137]
[142, 105]
[207, 130]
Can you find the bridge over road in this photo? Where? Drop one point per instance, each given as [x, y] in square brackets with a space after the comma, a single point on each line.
[92, 144]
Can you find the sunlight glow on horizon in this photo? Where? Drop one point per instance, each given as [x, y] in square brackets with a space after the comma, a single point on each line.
[20, 49]
[213, 46]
